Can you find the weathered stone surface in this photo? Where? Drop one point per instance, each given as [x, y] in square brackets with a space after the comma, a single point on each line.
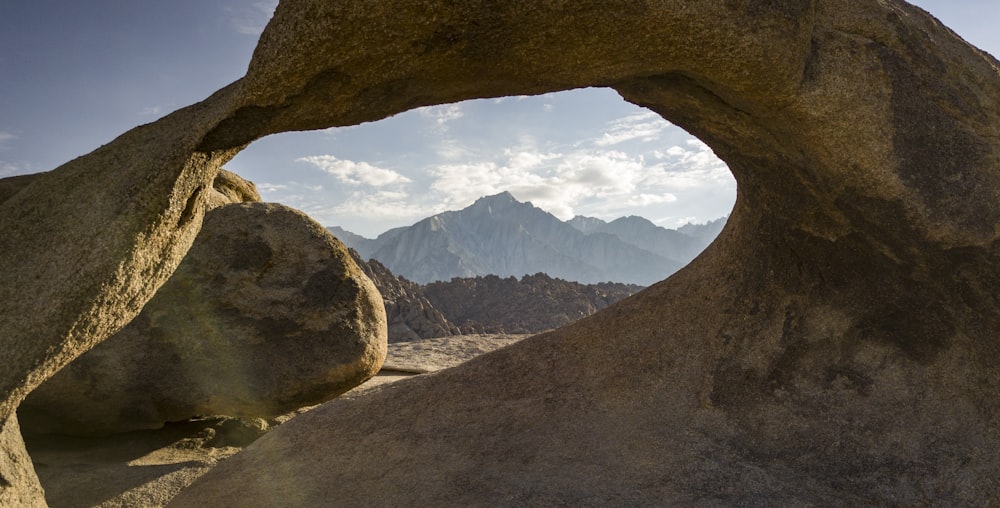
[18, 483]
[84, 246]
[837, 344]
[228, 187]
[13, 184]
[844, 344]
[121, 217]
[266, 314]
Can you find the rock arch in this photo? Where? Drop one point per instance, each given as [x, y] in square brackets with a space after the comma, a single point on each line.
[836, 344]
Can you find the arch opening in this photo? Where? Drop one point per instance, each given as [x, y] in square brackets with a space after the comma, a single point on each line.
[561, 190]
[583, 152]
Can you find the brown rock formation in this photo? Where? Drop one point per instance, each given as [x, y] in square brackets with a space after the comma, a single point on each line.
[19, 484]
[84, 246]
[266, 314]
[836, 345]
[844, 350]
[228, 187]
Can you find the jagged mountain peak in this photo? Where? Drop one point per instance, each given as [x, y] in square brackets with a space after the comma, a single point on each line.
[504, 197]
[586, 224]
[635, 219]
[502, 236]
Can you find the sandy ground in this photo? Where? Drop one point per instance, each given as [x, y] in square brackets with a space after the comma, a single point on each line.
[148, 468]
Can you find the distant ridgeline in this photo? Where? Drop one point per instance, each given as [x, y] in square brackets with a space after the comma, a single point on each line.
[498, 235]
[457, 272]
[486, 304]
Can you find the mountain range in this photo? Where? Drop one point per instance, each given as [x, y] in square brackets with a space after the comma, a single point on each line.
[501, 236]
[486, 304]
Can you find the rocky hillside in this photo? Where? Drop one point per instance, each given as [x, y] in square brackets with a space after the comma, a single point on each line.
[501, 236]
[532, 304]
[409, 314]
[488, 304]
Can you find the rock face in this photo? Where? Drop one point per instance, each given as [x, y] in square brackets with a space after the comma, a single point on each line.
[122, 217]
[845, 345]
[228, 188]
[266, 314]
[847, 317]
[18, 482]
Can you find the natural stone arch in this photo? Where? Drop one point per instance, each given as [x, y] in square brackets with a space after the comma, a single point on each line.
[846, 320]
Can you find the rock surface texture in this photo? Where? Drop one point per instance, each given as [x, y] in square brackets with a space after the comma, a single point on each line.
[19, 484]
[266, 314]
[845, 345]
[846, 341]
[84, 246]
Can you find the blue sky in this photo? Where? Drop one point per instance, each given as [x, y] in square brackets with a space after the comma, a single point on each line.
[74, 75]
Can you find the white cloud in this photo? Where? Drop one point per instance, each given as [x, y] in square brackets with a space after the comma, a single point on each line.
[151, 111]
[556, 182]
[355, 173]
[452, 150]
[461, 182]
[515, 98]
[692, 166]
[644, 126]
[442, 114]
[271, 187]
[251, 20]
[5, 139]
[381, 204]
[526, 160]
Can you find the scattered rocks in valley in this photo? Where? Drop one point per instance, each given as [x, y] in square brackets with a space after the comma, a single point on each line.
[410, 316]
[486, 305]
[533, 304]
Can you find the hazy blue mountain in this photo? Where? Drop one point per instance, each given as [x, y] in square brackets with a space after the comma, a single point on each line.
[643, 233]
[363, 246]
[704, 232]
[587, 224]
[501, 236]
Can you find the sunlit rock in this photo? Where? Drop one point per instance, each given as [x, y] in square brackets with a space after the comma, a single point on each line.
[836, 345]
[266, 314]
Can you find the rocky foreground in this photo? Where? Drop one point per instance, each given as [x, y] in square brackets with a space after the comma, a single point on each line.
[149, 467]
[836, 345]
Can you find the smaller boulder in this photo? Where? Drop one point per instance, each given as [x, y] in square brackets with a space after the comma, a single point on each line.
[228, 187]
[266, 314]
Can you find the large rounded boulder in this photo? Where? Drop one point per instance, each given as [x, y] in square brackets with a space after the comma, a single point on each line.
[266, 314]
